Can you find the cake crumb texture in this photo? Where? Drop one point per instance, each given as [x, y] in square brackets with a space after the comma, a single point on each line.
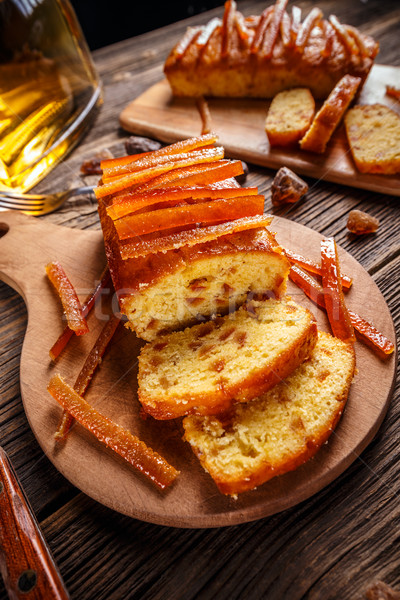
[280, 430]
[373, 132]
[289, 116]
[206, 368]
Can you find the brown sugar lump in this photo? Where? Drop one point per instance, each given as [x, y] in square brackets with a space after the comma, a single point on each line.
[280, 430]
[206, 368]
[373, 132]
[361, 223]
[328, 117]
[287, 187]
[289, 116]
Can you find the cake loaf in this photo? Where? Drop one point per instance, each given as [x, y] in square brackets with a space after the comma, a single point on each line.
[260, 56]
[184, 243]
[280, 430]
[206, 368]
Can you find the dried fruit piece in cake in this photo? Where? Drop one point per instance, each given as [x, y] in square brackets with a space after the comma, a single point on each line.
[289, 116]
[207, 368]
[373, 132]
[328, 117]
[280, 430]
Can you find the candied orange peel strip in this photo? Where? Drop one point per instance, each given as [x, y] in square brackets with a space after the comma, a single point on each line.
[177, 148]
[228, 24]
[144, 175]
[207, 32]
[305, 28]
[344, 35]
[205, 115]
[194, 157]
[69, 299]
[313, 267]
[244, 32]
[286, 30]
[67, 333]
[135, 202]
[329, 35]
[263, 23]
[296, 22]
[371, 336]
[122, 441]
[393, 91]
[172, 241]
[85, 376]
[215, 211]
[336, 309]
[192, 33]
[273, 30]
[365, 331]
[195, 175]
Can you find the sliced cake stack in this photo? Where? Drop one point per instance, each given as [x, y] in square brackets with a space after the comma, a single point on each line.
[201, 279]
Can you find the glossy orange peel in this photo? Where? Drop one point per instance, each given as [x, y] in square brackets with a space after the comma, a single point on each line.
[122, 441]
[68, 296]
[216, 211]
[85, 376]
[336, 308]
[90, 301]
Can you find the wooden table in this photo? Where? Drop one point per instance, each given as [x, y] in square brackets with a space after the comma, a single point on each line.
[333, 545]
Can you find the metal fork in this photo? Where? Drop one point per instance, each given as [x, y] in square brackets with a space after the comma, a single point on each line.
[39, 204]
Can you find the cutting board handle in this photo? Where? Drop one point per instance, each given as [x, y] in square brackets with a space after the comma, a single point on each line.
[21, 245]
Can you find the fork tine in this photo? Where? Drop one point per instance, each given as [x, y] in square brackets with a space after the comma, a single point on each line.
[21, 204]
[22, 201]
[17, 196]
[23, 207]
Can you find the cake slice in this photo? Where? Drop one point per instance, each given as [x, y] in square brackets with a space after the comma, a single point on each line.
[373, 132]
[329, 115]
[280, 430]
[260, 56]
[289, 116]
[165, 291]
[207, 368]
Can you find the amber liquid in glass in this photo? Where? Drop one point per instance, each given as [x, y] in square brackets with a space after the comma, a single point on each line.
[49, 89]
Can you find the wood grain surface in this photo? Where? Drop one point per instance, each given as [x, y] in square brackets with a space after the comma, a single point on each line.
[240, 126]
[193, 500]
[331, 546]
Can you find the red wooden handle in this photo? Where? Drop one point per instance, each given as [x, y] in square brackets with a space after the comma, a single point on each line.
[27, 567]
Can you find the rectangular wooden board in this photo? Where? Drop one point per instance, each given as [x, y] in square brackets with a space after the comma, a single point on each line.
[239, 124]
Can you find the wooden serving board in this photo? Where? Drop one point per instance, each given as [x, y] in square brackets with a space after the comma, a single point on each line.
[239, 124]
[26, 246]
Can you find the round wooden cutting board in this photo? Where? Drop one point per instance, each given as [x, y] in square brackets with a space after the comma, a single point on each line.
[27, 245]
